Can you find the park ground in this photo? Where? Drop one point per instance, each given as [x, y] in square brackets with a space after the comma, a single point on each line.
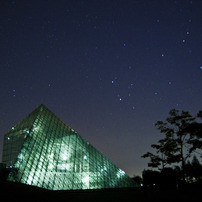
[11, 191]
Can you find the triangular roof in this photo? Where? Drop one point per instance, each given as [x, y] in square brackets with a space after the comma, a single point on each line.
[43, 151]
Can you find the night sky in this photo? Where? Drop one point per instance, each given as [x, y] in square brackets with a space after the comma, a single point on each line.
[109, 69]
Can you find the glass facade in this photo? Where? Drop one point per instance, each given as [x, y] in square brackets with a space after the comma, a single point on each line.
[43, 151]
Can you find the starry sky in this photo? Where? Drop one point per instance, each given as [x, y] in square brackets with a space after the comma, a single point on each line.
[110, 69]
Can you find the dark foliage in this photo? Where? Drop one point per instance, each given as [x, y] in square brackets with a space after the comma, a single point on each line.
[138, 180]
[182, 138]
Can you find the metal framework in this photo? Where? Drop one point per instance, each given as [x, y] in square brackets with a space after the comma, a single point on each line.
[43, 151]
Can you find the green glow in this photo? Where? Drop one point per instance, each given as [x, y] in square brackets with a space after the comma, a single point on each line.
[45, 152]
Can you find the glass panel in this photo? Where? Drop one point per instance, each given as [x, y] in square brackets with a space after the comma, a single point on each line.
[45, 152]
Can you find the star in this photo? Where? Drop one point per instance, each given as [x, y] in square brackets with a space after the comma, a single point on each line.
[13, 92]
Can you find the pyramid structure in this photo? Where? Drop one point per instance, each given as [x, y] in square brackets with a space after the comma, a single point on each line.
[43, 151]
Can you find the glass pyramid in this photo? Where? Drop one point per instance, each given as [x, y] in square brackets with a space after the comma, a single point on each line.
[43, 151]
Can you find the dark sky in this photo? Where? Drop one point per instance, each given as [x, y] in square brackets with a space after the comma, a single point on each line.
[109, 69]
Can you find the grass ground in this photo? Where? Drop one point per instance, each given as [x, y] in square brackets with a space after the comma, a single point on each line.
[17, 192]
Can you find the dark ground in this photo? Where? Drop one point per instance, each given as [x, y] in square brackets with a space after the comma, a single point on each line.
[17, 192]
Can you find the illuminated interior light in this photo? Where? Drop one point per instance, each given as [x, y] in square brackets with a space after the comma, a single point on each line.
[50, 166]
[64, 157]
[85, 180]
[29, 181]
[50, 156]
[120, 173]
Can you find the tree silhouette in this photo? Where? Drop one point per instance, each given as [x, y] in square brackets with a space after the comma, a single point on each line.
[195, 130]
[165, 150]
[193, 170]
[182, 137]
